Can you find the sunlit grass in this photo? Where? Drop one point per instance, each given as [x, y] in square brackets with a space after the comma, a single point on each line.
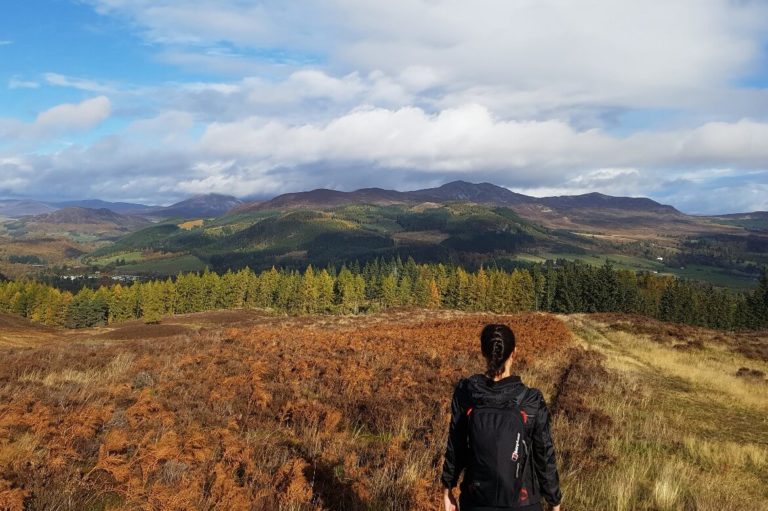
[694, 437]
[94, 376]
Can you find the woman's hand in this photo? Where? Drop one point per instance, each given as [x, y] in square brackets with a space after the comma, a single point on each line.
[449, 501]
[556, 508]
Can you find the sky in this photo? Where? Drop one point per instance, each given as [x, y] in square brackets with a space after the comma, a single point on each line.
[153, 101]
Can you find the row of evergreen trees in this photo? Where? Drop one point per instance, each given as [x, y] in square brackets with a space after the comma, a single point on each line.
[560, 286]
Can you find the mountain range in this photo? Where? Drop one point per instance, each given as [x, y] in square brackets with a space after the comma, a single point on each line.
[467, 223]
[208, 205]
[456, 191]
[214, 204]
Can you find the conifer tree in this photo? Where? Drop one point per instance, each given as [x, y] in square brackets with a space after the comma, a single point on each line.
[498, 296]
[421, 291]
[119, 305]
[404, 290]
[308, 293]
[539, 286]
[522, 291]
[462, 299]
[606, 288]
[566, 297]
[551, 278]
[152, 306]
[478, 290]
[250, 286]
[231, 290]
[267, 289]
[168, 295]
[760, 301]
[389, 291]
[211, 290]
[86, 309]
[287, 296]
[324, 285]
[433, 301]
[359, 287]
[441, 278]
[347, 291]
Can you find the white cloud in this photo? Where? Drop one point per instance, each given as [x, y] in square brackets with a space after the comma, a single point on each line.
[709, 198]
[77, 116]
[17, 83]
[158, 158]
[471, 138]
[77, 83]
[64, 118]
[529, 56]
[5, 42]
[221, 64]
[745, 141]
[171, 127]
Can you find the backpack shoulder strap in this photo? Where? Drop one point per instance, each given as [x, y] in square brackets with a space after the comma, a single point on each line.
[521, 396]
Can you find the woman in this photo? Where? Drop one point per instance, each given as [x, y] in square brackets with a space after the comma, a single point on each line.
[499, 436]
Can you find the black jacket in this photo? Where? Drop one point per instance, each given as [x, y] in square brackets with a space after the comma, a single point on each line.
[543, 480]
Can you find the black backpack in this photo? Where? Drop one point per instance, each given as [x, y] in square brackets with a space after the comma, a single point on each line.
[499, 451]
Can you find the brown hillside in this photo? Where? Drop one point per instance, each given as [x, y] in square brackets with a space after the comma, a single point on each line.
[243, 410]
[16, 331]
[302, 413]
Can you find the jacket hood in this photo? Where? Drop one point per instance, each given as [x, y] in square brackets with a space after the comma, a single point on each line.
[486, 390]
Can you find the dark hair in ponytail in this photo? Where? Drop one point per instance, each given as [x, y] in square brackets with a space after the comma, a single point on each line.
[497, 342]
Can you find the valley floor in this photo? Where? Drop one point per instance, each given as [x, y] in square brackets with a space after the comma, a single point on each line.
[244, 410]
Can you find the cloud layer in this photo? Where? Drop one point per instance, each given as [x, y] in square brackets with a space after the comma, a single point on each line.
[542, 96]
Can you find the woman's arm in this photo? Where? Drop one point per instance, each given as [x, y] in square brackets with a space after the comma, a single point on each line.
[456, 448]
[544, 456]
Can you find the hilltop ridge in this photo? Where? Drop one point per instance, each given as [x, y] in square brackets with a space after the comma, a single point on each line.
[479, 193]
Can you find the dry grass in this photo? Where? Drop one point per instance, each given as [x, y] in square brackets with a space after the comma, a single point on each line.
[244, 410]
[275, 413]
[17, 332]
[89, 377]
[694, 436]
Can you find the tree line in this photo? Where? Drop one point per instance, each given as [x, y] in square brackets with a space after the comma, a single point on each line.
[556, 286]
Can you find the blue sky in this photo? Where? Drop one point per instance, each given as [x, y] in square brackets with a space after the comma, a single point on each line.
[155, 100]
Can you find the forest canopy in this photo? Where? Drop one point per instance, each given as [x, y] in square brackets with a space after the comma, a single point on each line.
[556, 286]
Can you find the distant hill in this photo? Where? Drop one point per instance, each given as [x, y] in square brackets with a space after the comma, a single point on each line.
[117, 207]
[458, 222]
[583, 212]
[199, 206]
[14, 208]
[82, 216]
[757, 220]
[480, 193]
[323, 198]
[600, 201]
[428, 230]
[455, 191]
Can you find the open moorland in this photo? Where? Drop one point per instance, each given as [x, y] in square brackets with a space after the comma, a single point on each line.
[246, 410]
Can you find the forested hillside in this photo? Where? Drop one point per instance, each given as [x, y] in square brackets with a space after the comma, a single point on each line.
[560, 286]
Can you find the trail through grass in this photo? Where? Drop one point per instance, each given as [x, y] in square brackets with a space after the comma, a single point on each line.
[692, 434]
